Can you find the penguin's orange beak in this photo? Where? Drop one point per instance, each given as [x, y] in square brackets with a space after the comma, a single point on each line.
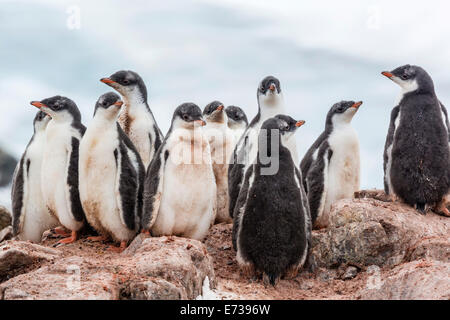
[220, 108]
[387, 74]
[37, 104]
[107, 80]
[300, 123]
[357, 104]
[201, 122]
[272, 87]
[118, 103]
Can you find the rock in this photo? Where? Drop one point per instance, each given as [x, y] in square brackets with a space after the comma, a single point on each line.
[434, 248]
[153, 289]
[372, 194]
[7, 167]
[424, 280]
[72, 278]
[5, 217]
[17, 257]
[366, 232]
[183, 262]
[6, 234]
[349, 273]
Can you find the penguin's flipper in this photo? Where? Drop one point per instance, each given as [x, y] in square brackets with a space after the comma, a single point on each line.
[127, 185]
[389, 141]
[153, 186]
[305, 204]
[73, 192]
[309, 159]
[17, 195]
[316, 180]
[444, 111]
[240, 203]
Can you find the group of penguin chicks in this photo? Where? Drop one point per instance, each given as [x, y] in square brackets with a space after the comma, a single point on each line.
[121, 176]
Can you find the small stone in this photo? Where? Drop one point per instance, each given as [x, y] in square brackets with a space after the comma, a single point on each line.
[350, 273]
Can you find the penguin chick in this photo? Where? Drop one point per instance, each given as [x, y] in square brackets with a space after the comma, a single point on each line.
[272, 223]
[417, 153]
[180, 188]
[136, 118]
[30, 215]
[111, 175]
[59, 171]
[237, 122]
[220, 139]
[331, 168]
[270, 103]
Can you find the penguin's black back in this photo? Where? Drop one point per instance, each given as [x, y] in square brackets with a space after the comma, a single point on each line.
[420, 172]
[272, 233]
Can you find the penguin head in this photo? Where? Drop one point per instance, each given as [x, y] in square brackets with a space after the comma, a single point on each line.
[188, 115]
[269, 91]
[59, 108]
[342, 112]
[108, 106]
[288, 126]
[410, 78]
[40, 121]
[128, 84]
[215, 112]
[236, 117]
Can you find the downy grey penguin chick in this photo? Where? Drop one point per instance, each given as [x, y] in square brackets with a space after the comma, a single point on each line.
[272, 223]
[417, 153]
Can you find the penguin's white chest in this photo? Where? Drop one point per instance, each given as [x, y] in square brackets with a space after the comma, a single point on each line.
[189, 193]
[139, 126]
[344, 166]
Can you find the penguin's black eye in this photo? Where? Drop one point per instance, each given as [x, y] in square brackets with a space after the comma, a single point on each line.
[404, 77]
[287, 128]
[185, 117]
[126, 81]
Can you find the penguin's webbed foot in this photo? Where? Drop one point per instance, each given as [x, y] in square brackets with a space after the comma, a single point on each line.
[97, 238]
[119, 249]
[70, 239]
[61, 231]
[441, 208]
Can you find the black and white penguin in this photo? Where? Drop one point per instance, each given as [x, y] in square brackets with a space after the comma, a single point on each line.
[59, 171]
[237, 122]
[270, 103]
[30, 217]
[180, 187]
[417, 153]
[331, 168]
[136, 118]
[220, 139]
[272, 223]
[111, 175]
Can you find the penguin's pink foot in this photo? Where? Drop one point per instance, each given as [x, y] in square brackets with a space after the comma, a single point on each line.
[70, 239]
[146, 232]
[121, 248]
[442, 209]
[62, 232]
[98, 238]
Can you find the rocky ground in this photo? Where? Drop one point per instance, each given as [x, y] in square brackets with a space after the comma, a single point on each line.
[372, 250]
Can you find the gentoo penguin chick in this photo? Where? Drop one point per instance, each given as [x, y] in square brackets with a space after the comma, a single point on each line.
[330, 168]
[111, 175]
[136, 118]
[237, 122]
[270, 103]
[180, 188]
[30, 215]
[272, 223]
[417, 154]
[220, 139]
[59, 171]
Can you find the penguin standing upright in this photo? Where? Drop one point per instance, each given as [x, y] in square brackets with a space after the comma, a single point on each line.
[237, 122]
[180, 188]
[331, 168]
[417, 153]
[272, 223]
[111, 175]
[220, 140]
[270, 103]
[30, 215]
[136, 118]
[59, 171]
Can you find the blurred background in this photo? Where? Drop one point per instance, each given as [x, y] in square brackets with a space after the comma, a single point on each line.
[199, 51]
